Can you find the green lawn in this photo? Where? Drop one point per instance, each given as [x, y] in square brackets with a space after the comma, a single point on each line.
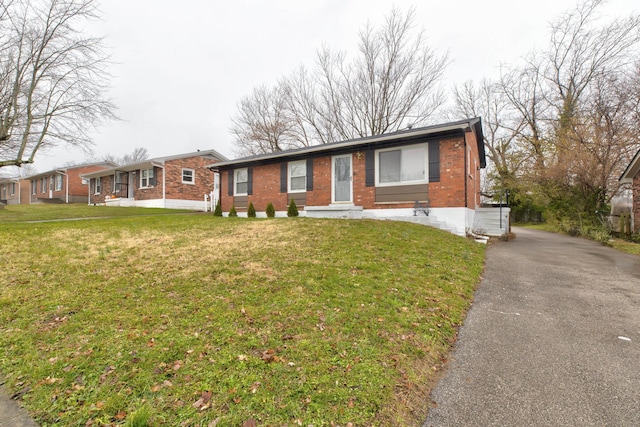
[196, 320]
[49, 212]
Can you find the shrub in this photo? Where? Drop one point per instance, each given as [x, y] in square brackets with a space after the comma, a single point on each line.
[218, 210]
[270, 211]
[292, 210]
[232, 211]
[251, 211]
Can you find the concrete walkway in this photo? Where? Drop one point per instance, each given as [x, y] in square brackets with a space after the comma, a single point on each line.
[552, 339]
[11, 414]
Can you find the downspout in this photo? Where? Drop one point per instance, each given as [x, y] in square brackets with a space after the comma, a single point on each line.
[466, 166]
[164, 187]
[67, 189]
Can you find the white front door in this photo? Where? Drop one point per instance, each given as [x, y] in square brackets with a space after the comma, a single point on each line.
[52, 178]
[341, 186]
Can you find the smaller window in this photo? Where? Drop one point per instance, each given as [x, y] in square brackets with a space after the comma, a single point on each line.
[98, 186]
[297, 176]
[146, 178]
[58, 183]
[188, 176]
[43, 185]
[34, 187]
[85, 181]
[241, 182]
[13, 188]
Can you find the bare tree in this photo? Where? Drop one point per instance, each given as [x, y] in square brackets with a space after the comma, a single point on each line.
[392, 84]
[262, 125]
[53, 79]
[139, 154]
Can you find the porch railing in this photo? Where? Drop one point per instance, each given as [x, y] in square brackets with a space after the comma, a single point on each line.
[121, 189]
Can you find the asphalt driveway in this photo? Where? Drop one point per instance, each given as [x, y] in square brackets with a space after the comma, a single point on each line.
[552, 339]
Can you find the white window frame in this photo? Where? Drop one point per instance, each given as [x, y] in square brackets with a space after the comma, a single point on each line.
[425, 180]
[13, 189]
[58, 183]
[290, 166]
[34, 187]
[144, 180]
[43, 185]
[193, 176]
[236, 172]
[97, 186]
[4, 191]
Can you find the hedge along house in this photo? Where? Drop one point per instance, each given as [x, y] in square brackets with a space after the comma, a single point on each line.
[374, 177]
[631, 176]
[63, 185]
[178, 182]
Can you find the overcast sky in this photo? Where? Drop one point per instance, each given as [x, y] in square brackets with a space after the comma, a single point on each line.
[181, 67]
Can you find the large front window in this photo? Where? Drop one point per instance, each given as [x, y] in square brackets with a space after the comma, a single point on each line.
[405, 165]
[43, 185]
[146, 178]
[241, 180]
[297, 176]
[58, 183]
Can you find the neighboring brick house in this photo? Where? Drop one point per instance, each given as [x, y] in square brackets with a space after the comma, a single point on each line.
[14, 191]
[63, 185]
[178, 182]
[632, 176]
[374, 177]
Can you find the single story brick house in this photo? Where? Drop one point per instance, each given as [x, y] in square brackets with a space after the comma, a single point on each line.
[178, 182]
[14, 191]
[63, 185]
[632, 176]
[374, 177]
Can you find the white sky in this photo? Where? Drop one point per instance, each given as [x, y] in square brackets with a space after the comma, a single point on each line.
[181, 67]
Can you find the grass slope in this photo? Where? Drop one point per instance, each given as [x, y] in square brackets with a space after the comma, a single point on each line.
[197, 320]
[46, 212]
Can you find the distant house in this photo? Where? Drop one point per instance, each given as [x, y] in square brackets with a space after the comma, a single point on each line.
[63, 185]
[632, 176]
[179, 182]
[14, 191]
[395, 175]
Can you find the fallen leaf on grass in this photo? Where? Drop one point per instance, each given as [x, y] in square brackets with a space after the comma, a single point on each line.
[121, 415]
[250, 423]
[204, 402]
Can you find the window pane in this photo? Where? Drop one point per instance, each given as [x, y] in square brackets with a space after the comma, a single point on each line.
[298, 169]
[299, 183]
[389, 164]
[242, 175]
[187, 175]
[413, 164]
[241, 188]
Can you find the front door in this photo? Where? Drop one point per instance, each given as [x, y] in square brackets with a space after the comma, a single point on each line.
[130, 188]
[342, 189]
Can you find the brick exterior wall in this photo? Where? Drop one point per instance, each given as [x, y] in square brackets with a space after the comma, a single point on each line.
[449, 192]
[636, 203]
[77, 191]
[175, 189]
[203, 179]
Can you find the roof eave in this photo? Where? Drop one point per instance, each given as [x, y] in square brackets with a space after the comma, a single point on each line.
[473, 124]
